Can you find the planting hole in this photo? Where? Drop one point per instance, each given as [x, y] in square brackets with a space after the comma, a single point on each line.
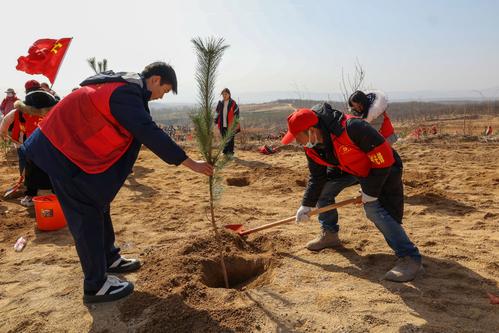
[241, 271]
[239, 181]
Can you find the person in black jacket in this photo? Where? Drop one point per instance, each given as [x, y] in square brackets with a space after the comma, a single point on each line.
[37, 103]
[88, 145]
[226, 113]
[332, 141]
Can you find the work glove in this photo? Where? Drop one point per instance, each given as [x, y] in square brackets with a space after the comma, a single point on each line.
[302, 214]
[367, 198]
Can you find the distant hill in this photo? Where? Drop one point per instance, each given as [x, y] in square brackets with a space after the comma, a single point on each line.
[274, 114]
[491, 93]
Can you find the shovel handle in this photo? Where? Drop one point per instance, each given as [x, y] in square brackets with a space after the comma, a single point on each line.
[311, 213]
[13, 140]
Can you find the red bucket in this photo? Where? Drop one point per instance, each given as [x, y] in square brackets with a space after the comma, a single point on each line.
[49, 215]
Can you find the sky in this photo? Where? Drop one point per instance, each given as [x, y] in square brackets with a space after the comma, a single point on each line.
[277, 47]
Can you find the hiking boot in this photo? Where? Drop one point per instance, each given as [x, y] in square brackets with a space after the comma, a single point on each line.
[124, 265]
[324, 240]
[113, 289]
[27, 201]
[405, 270]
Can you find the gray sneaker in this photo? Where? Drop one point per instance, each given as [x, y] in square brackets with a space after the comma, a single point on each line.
[27, 201]
[405, 270]
[324, 240]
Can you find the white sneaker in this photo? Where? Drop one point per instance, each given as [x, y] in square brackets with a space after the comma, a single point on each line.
[112, 290]
[27, 201]
[124, 265]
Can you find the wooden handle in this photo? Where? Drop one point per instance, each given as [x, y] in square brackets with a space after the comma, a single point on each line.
[15, 141]
[333, 206]
[311, 213]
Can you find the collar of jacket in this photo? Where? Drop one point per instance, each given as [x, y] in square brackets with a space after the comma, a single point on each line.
[146, 94]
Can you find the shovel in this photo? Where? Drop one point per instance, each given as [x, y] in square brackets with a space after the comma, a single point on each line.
[239, 228]
[13, 189]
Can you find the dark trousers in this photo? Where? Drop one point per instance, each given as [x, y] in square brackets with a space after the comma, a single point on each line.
[92, 230]
[22, 161]
[229, 147]
[333, 187]
[36, 179]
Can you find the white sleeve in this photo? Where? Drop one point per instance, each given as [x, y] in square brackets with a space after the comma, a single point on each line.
[378, 106]
[6, 122]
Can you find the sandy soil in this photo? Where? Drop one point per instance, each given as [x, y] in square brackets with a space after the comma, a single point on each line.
[452, 214]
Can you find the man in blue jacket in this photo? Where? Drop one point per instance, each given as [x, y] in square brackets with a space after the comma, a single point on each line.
[88, 145]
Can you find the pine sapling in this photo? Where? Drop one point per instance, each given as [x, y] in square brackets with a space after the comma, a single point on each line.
[209, 54]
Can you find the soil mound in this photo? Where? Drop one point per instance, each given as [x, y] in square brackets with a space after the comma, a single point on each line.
[187, 283]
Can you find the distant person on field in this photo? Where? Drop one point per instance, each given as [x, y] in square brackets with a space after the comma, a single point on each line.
[8, 102]
[434, 130]
[226, 112]
[88, 145]
[488, 131]
[335, 141]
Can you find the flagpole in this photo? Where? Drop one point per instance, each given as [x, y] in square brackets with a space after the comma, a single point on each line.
[63, 57]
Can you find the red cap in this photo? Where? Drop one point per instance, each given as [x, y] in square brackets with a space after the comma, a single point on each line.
[299, 121]
[31, 84]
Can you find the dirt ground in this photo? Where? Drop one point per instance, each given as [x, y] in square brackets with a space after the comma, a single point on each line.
[160, 216]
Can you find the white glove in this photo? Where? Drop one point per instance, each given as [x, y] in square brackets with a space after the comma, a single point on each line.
[302, 214]
[367, 198]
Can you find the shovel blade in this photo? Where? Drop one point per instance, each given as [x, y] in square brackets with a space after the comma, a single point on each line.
[14, 188]
[11, 191]
[238, 228]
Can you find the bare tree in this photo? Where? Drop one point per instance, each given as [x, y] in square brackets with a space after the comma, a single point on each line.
[350, 84]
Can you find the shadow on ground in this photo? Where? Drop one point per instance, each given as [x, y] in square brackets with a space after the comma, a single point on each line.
[436, 203]
[133, 311]
[433, 295]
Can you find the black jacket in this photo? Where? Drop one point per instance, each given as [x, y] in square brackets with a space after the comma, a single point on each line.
[37, 102]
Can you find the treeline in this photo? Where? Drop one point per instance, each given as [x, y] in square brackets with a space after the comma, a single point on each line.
[416, 111]
[401, 112]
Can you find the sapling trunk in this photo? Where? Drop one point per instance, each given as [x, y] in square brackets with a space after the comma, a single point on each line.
[217, 234]
[209, 54]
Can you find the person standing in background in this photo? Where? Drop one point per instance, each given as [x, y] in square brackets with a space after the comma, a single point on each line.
[226, 113]
[8, 102]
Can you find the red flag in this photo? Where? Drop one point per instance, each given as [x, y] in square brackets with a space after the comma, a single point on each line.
[44, 57]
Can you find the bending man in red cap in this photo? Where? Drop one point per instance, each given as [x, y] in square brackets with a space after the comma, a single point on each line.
[335, 141]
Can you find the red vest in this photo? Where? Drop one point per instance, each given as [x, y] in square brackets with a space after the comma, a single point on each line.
[386, 128]
[353, 160]
[82, 127]
[24, 123]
